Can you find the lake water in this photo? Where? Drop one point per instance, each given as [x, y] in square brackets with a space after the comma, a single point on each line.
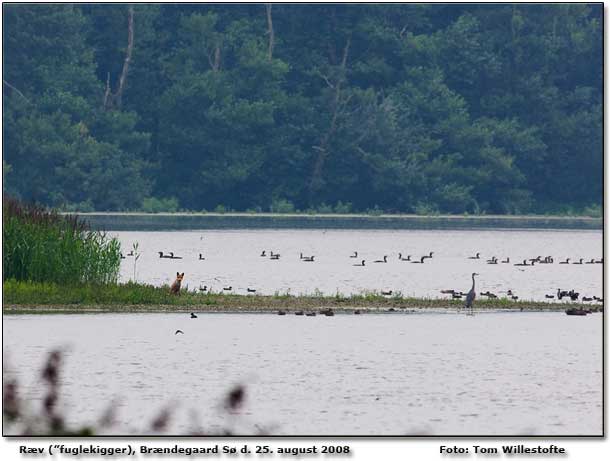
[497, 373]
[232, 258]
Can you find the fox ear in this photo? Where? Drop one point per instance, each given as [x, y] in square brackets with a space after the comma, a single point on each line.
[177, 274]
[183, 274]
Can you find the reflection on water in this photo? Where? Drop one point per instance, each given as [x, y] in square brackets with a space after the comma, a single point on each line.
[232, 258]
[445, 374]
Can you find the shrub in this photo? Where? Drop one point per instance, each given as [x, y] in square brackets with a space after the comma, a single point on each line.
[343, 208]
[325, 209]
[281, 206]
[83, 207]
[594, 211]
[159, 205]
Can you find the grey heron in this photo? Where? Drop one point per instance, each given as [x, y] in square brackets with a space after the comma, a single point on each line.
[472, 294]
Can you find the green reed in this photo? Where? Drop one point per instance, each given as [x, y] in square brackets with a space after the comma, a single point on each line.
[41, 245]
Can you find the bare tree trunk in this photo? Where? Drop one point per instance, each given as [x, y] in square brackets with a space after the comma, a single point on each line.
[270, 31]
[107, 93]
[316, 177]
[214, 57]
[513, 50]
[16, 90]
[123, 79]
[116, 99]
[216, 66]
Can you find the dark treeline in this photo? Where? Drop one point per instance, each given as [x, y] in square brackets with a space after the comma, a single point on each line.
[402, 108]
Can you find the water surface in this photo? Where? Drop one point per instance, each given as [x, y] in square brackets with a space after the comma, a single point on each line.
[383, 374]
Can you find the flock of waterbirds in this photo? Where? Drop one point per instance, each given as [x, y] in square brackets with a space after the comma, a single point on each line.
[418, 260]
[328, 312]
[536, 260]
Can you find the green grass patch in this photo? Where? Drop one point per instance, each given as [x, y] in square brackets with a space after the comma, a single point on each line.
[21, 296]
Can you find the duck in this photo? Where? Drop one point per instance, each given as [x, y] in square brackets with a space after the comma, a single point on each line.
[574, 311]
[524, 263]
[573, 295]
[561, 293]
[161, 255]
[281, 312]
[301, 256]
[506, 261]
[357, 312]
[591, 262]
[171, 256]
[201, 258]
[229, 288]
[493, 260]
[355, 255]
[477, 256]
[549, 296]
[579, 261]
[193, 316]
[360, 265]
[264, 253]
[429, 255]
[386, 293]
[447, 292]
[122, 257]
[275, 257]
[308, 259]
[298, 313]
[567, 261]
[310, 314]
[408, 258]
[384, 260]
[586, 299]
[250, 290]
[421, 261]
[203, 288]
[130, 253]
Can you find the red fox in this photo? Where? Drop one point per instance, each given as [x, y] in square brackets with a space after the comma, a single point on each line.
[175, 288]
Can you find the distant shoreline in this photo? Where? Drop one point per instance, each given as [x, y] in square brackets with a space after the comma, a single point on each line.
[188, 221]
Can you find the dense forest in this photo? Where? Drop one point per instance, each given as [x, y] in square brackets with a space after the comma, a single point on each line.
[413, 108]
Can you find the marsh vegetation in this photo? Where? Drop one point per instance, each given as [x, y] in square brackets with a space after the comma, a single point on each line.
[42, 246]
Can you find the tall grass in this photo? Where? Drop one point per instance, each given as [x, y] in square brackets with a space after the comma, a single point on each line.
[42, 246]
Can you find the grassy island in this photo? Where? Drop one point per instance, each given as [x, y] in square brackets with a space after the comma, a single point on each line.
[37, 297]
